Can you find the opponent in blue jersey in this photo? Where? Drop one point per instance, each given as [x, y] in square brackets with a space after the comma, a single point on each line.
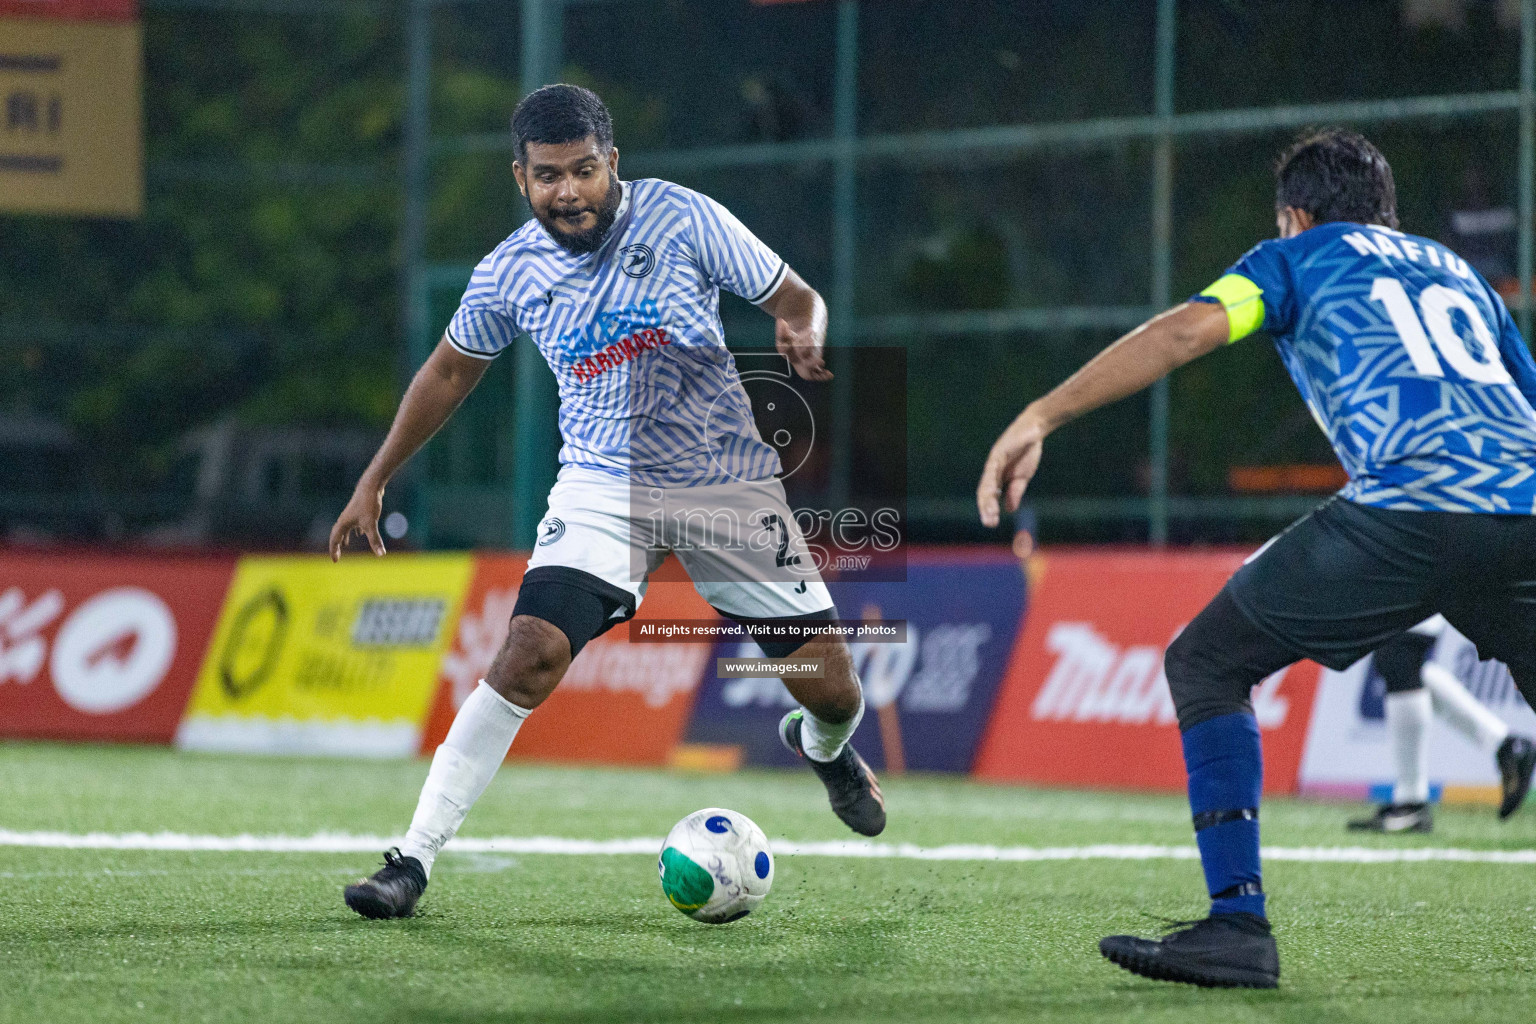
[1407, 358]
[1415, 372]
[618, 283]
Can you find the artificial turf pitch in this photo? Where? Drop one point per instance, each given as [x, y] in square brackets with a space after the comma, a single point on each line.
[145, 935]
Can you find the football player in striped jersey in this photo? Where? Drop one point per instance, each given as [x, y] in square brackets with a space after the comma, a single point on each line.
[618, 284]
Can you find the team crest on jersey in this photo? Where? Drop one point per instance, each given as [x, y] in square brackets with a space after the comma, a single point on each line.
[637, 260]
[551, 530]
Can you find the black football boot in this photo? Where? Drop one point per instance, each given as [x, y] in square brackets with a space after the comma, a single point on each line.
[1517, 759]
[1397, 818]
[851, 787]
[391, 891]
[1223, 951]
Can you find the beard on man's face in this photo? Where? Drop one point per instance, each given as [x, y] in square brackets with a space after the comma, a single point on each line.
[591, 239]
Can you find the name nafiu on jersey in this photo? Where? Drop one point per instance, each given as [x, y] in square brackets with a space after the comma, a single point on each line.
[1408, 360]
[632, 332]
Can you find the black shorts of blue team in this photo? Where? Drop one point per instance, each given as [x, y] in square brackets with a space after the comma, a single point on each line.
[584, 607]
[1346, 579]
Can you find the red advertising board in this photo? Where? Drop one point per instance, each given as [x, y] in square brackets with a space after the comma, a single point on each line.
[102, 647]
[1085, 701]
[620, 703]
[71, 10]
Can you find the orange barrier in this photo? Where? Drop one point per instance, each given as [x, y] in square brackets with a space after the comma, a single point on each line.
[373, 657]
[1085, 701]
[620, 703]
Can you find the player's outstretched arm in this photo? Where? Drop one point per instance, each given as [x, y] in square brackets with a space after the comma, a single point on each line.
[801, 331]
[1162, 344]
[435, 392]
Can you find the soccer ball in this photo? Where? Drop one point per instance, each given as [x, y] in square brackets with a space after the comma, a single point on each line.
[715, 865]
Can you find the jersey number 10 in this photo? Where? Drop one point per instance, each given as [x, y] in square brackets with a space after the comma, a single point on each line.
[1435, 305]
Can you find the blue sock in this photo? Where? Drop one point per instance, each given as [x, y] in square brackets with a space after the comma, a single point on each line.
[1226, 775]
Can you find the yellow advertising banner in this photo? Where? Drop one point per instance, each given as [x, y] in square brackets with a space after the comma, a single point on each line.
[71, 127]
[321, 658]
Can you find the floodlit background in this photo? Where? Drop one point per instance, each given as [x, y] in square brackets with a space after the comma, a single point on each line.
[998, 187]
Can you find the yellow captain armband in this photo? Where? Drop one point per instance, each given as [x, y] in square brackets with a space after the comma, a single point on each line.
[1244, 302]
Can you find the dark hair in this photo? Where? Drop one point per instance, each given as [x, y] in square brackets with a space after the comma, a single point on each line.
[560, 113]
[1334, 174]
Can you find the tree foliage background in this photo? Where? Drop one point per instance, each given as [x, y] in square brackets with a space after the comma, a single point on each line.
[263, 281]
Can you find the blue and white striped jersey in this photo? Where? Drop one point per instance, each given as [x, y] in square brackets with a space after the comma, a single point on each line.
[1408, 360]
[632, 332]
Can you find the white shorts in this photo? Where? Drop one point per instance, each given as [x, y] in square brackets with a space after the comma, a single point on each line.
[738, 541]
[1432, 626]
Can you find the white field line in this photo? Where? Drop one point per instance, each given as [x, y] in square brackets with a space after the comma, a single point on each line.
[345, 843]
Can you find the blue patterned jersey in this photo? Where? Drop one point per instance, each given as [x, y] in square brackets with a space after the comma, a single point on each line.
[632, 332]
[1408, 360]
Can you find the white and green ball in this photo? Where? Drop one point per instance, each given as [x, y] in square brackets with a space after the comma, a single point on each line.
[716, 866]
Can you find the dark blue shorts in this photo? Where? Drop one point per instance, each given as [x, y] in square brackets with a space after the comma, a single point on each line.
[1347, 578]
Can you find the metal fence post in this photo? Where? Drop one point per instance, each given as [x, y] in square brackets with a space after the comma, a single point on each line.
[1527, 158]
[1162, 263]
[844, 248]
[415, 316]
[535, 402]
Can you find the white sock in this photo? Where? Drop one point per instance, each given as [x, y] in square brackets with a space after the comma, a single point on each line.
[1408, 724]
[822, 741]
[1462, 711]
[463, 766]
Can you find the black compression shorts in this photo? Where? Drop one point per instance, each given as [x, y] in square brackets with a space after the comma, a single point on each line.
[1348, 579]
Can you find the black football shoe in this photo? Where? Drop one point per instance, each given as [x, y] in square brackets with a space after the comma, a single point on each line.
[851, 787]
[1517, 759]
[392, 891]
[1397, 818]
[1223, 951]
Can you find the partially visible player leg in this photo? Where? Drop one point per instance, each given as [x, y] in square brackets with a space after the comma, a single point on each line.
[526, 671]
[1336, 585]
[560, 608]
[1508, 633]
[833, 705]
[462, 767]
[1408, 713]
[819, 730]
[744, 551]
[1417, 687]
[528, 667]
[1456, 706]
[1212, 668]
[1514, 756]
[1452, 702]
